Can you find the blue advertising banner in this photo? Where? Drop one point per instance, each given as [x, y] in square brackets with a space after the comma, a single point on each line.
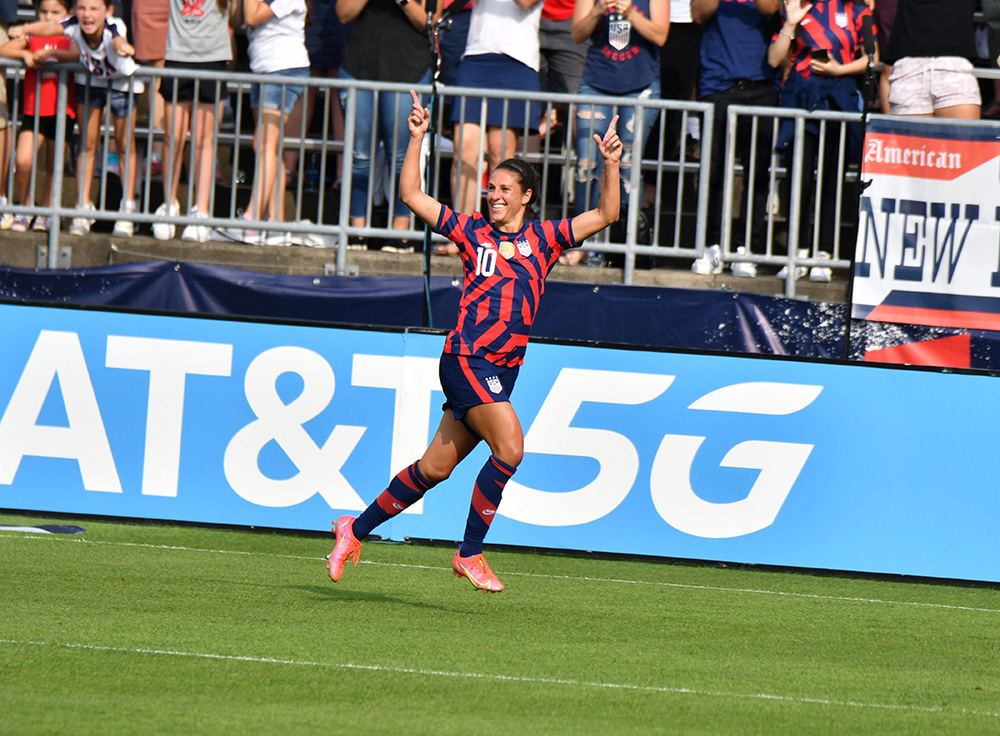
[739, 459]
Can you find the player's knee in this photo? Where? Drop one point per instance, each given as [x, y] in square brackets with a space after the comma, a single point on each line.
[435, 472]
[509, 451]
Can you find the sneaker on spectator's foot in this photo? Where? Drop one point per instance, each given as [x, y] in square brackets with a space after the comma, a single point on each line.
[477, 571]
[21, 223]
[81, 225]
[347, 546]
[822, 274]
[239, 235]
[398, 246]
[276, 237]
[709, 263]
[125, 228]
[744, 269]
[41, 224]
[165, 230]
[197, 233]
[6, 218]
[800, 271]
[313, 240]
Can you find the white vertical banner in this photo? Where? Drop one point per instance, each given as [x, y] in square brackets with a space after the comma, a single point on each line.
[928, 250]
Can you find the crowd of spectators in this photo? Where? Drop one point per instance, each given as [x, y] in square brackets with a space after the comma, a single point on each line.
[789, 53]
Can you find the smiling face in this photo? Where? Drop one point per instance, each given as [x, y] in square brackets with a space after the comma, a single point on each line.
[506, 199]
[91, 14]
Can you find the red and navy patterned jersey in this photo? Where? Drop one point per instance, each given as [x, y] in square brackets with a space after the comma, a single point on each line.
[504, 282]
[834, 25]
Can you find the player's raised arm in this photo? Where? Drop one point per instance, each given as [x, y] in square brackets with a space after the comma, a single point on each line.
[420, 203]
[593, 221]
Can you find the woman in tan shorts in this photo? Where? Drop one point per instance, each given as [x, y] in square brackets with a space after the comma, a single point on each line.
[930, 49]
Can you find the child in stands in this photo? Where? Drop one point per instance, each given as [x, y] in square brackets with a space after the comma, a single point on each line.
[39, 107]
[107, 54]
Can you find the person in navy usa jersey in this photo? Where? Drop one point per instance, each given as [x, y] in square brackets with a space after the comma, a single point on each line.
[506, 259]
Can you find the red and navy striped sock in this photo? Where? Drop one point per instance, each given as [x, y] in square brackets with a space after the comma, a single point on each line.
[404, 490]
[485, 499]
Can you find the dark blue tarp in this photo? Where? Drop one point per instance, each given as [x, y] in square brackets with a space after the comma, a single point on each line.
[635, 315]
[608, 313]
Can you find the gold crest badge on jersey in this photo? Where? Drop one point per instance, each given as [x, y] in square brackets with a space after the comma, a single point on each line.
[506, 249]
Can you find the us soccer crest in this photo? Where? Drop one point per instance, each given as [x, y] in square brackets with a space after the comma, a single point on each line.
[523, 247]
[619, 32]
[494, 383]
[506, 248]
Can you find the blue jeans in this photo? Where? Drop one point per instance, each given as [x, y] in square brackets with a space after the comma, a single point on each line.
[594, 120]
[387, 122]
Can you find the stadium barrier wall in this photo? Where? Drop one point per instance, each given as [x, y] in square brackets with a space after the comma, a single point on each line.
[699, 319]
[785, 462]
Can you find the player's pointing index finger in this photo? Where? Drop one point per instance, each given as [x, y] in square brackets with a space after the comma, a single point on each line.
[611, 128]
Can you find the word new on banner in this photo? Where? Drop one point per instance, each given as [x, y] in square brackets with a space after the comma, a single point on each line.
[928, 250]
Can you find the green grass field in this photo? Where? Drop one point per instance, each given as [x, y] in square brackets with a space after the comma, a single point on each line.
[143, 629]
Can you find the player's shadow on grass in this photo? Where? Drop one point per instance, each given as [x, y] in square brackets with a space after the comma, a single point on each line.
[342, 595]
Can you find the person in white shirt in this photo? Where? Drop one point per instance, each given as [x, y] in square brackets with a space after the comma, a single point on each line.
[276, 32]
[502, 52]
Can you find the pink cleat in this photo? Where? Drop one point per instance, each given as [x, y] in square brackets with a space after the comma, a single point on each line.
[477, 571]
[347, 546]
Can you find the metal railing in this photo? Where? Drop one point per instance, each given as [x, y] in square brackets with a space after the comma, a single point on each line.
[665, 216]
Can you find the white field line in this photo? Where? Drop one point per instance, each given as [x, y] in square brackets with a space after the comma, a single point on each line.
[583, 684]
[570, 578]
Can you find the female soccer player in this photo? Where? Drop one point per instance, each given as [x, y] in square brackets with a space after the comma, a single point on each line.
[506, 260]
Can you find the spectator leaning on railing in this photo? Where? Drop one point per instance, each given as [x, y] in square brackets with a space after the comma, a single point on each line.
[104, 50]
[40, 92]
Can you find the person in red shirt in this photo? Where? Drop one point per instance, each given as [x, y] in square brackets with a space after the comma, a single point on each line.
[40, 90]
[506, 257]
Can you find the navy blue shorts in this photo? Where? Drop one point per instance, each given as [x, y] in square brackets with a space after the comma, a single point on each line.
[496, 71]
[469, 382]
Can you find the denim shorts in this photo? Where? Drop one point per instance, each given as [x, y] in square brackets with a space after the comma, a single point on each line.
[268, 96]
[99, 98]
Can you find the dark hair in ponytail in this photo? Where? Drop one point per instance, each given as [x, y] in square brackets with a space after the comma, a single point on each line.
[527, 177]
